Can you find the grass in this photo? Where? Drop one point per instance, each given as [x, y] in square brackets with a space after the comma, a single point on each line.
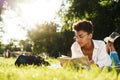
[8, 71]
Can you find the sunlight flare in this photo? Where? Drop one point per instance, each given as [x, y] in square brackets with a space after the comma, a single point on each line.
[26, 15]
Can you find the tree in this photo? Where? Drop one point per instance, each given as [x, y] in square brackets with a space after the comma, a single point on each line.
[46, 39]
[43, 37]
[104, 14]
[27, 46]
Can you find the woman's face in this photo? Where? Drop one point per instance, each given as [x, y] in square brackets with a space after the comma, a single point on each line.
[83, 38]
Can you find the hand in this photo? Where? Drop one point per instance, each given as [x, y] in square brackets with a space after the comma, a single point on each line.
[110, 46]
[91, 62]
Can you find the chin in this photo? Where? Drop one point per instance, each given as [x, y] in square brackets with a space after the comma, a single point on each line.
[81, 45]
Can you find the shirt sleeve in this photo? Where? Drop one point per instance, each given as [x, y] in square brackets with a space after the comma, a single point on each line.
[114, 57]
[103, 57]
[73, 50]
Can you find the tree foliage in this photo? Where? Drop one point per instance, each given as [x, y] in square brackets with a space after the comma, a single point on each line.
[104, 14]
[43, 37]
[46, 39]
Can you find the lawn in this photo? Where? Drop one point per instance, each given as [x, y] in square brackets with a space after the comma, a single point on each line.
[8, 71]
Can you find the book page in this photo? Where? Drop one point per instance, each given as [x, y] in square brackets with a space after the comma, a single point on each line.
[83, 61]
[64, 59]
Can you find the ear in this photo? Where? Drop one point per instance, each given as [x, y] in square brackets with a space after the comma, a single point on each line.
[91, 35]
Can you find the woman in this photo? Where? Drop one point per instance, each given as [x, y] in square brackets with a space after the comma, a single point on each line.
[86, 46]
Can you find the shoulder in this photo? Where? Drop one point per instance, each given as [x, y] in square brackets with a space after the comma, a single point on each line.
[75, 45]
[98, 42]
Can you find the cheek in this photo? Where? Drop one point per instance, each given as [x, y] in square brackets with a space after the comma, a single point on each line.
[82, 42]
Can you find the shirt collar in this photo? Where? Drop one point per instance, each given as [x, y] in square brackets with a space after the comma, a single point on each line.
[95, 44]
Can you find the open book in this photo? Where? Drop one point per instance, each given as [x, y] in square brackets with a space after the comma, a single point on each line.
[80, 61]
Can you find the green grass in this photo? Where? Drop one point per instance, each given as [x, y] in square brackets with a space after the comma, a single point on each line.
[8, 71]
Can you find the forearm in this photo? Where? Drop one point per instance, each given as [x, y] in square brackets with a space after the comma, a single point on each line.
[114, 57]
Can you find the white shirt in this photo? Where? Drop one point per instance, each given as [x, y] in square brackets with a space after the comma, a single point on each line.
[100, 55]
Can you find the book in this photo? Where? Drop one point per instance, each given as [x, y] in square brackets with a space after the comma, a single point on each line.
[80, 61]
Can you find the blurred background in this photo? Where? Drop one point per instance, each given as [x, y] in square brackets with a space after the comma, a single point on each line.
[44, 27]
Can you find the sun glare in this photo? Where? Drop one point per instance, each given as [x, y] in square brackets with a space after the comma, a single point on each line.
[39, 11]
[28, 13]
